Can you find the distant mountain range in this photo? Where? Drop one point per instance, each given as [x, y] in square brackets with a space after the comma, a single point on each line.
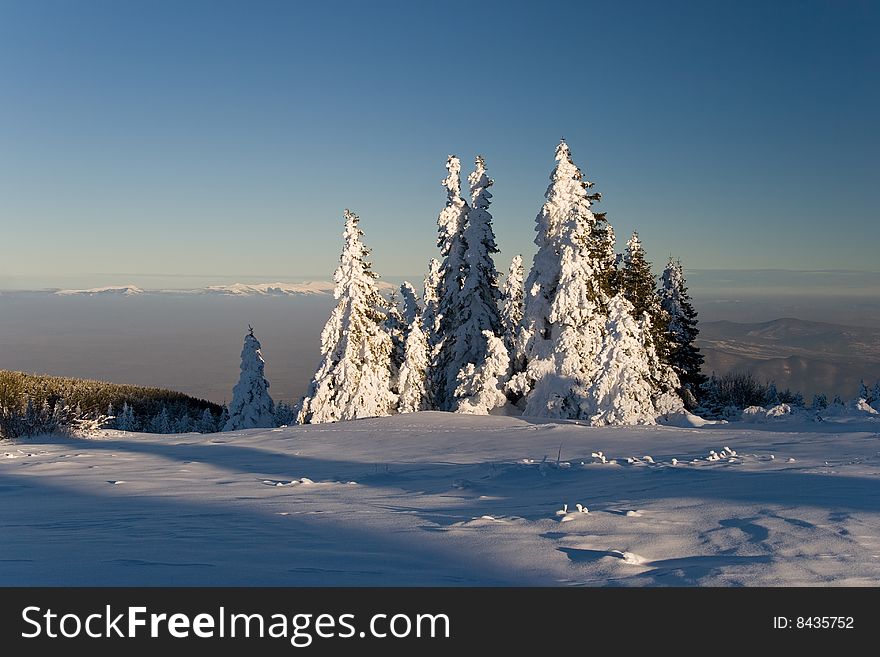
[113, 290]
[234, 290]
[807, 356]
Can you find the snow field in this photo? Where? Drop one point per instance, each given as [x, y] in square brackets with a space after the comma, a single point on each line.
[445, 499]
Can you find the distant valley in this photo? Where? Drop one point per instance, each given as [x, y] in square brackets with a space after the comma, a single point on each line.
[189, 340]
[803, 355]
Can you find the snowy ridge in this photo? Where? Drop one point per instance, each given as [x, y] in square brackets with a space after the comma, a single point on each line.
[271, 289]
[278, 289]
[112, 290]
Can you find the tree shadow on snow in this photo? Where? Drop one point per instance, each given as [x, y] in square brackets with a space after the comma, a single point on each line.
[63, 536]
[483, 488]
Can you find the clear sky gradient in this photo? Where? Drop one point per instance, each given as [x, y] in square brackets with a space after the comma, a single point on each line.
[193, 141]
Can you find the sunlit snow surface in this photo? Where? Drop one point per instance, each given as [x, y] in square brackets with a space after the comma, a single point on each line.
[442, 499]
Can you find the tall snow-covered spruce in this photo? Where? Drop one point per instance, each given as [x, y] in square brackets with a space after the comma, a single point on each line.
[353, 379]
[512, 304]
[410, 304]
[412, 380]
[565, 307]
[638, 286]
[396, 329]
[431, 310]
[252, 406]
[681, 333]
[412, 385]
[450, 239]
[623, 390]
[478, 317]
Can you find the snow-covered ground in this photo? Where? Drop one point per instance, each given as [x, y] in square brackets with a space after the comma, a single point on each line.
[443, 499]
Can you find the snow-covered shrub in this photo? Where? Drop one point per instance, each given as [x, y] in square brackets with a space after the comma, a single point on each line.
[862, 406]
[754, 414]
[734, 390]
[779, 410]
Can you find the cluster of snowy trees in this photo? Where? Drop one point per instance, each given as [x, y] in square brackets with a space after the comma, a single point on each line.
[59, 418]
[33, 404]
[164, 421]
[588, 336]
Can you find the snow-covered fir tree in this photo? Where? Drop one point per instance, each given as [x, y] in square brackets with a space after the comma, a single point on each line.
[206, 422]
[477, 313]
[412, 382]
[396, 329]
[412, 386]
[602, 248]
[411, 308]
[637, 284]
[251, 407]
[820, 402]
[182, 424]
[161, 422]
[32, 422]
[431, 310]
[681, 332]
[62, 416]
[353, 379]
[863, 391]
[623, 390]
[480, 388]
[565, 308]
[284, 414]
[451, 225]
[512, 304]
[224, 417]
[126, 420]
[397, 325]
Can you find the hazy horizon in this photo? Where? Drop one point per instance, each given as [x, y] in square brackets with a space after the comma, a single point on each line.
[747, 282]
[191, 343]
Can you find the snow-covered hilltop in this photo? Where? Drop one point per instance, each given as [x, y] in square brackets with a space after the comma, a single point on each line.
[112, 290]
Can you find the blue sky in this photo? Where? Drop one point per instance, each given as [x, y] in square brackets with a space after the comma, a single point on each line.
[211, 141]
